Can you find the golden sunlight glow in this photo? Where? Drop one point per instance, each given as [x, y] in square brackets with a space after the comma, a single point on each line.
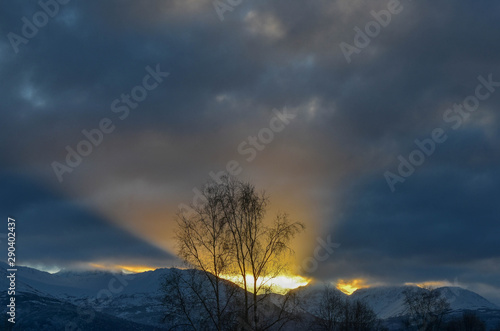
[280, 284]
[350, 286]
[124, 268]
[135, 268]
[433, 284]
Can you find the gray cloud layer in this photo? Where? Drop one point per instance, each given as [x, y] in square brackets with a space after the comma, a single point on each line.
[353, 120]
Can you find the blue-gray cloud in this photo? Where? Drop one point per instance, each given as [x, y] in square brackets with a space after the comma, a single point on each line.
[225, 78]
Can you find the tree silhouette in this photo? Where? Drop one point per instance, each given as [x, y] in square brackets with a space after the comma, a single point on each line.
[341, 314]
[228, 235]
[468, 321]
[425, 308]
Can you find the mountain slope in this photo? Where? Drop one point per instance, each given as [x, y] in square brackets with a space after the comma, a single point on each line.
[460, 298]
[386, 301]
[123, 298]
[389, 301]
[134, 301]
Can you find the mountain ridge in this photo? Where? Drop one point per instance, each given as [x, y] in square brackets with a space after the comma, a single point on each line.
[136, 298]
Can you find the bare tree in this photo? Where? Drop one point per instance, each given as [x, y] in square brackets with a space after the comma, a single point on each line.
[425, 308]
[472, 322]
[227, 235]
[468, 321]
[330, 309]
[260, 251]
[343, 314]
[204, 244]
[275, 313]
[361, 317]
[182, 295]
[191, 304]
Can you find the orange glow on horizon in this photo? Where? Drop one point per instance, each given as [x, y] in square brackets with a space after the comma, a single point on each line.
[136, 269]
[432, 284]
[280, 284]
[350, 286]
[124, 268]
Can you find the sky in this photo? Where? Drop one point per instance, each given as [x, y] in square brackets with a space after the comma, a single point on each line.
[373, 122]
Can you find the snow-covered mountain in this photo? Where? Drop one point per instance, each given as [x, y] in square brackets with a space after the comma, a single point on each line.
[311, 296]
[385, 301]
[134, 301]
[130, 300]
[389, 301]
[96, 300]
[86, 283]
[461, 299]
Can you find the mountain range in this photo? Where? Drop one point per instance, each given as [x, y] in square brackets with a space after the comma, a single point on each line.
[103, 300]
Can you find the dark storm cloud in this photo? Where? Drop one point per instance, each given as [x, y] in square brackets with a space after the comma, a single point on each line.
[54, 231]
[353, 120]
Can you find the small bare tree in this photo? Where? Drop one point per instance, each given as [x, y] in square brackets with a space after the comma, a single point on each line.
[468, 321]
[361, 317]
[191, 303]
[260, 251]
[330, 309]
[204, 244]
[425, 308]
[337, 313]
